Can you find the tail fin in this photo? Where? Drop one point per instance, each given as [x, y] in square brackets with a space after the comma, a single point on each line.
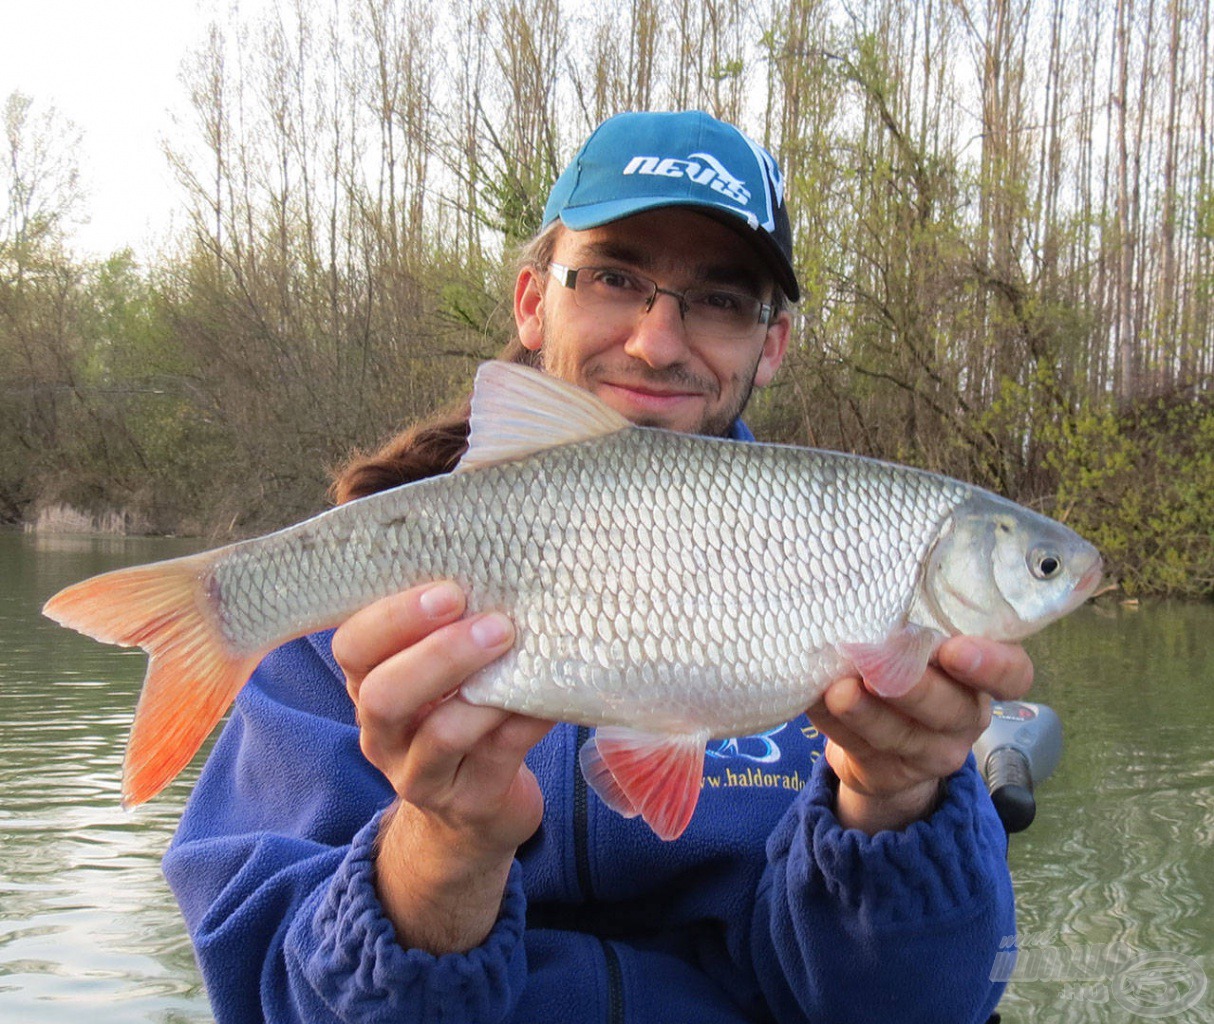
[192, 676]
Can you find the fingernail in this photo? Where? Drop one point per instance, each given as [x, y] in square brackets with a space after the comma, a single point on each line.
[441, 599]
[490, 630]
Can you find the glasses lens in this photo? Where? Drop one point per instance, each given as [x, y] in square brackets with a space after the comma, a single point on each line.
[720, 313]
[604, 287]
[708, 312]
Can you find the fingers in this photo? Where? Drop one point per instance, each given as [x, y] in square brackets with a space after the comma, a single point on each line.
[1005, 671]
[883, 746]
[927, 733]
[937, 702]
[381, 629]
[458, 767]
[464, 749]
[464, 772]
[404, 658]
[410, 686]
[458, 744]
[953, 699]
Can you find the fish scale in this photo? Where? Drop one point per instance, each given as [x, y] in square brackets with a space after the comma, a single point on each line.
[699, 569]
[664, 588]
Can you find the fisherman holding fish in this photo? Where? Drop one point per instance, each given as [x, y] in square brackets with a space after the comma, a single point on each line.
[411, 819]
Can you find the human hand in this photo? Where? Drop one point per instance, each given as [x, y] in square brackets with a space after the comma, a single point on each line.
[891, 754]
[466, 799]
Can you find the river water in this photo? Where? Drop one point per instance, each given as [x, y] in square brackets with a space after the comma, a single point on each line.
[1115, 878]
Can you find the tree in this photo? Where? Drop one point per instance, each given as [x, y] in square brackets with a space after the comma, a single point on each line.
[40, 178]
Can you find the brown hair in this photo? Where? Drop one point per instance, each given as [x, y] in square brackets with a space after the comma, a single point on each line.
[427, 448]
[433, 445]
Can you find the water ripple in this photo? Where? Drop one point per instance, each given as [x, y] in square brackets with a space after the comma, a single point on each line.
[1120, 860]
[88, 927]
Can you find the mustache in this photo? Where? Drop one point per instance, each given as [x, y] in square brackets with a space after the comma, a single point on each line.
[673, 378]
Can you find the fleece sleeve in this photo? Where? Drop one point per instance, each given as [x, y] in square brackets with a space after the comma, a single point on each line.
[898, 926]
[273, 868]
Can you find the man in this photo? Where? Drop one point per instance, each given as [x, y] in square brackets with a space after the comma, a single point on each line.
[415, 857]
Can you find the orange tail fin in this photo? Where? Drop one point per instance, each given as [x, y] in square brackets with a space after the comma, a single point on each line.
[192, 675]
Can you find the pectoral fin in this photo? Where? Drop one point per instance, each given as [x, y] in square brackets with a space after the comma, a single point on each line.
[894, 665]
[655, 776]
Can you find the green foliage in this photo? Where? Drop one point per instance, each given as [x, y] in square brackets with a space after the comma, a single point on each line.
[1205, 215]
[517, 203]
[1138, 485]
[731, 68]
[1135, 482]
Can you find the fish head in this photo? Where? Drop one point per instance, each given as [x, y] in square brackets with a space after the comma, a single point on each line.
[1002, 571]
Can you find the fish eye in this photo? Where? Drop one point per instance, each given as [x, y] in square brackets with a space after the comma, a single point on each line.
[1045, 565]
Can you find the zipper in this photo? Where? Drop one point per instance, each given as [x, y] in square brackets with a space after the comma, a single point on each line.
[581, 816]
[615, 985]
[581, 860]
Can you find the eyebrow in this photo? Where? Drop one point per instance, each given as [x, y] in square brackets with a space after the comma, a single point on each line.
[736, 274]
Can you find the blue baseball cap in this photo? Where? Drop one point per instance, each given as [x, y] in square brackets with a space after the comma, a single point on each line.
[645, 161]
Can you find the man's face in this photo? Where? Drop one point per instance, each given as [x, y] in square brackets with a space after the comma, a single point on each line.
[650, 368]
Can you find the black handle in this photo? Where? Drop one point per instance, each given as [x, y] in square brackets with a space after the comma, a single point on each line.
[1011, 786]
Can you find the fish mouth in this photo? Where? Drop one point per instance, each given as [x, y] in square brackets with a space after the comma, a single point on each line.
[1090, 580]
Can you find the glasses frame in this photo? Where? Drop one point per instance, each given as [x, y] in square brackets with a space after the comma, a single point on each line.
[567, 276]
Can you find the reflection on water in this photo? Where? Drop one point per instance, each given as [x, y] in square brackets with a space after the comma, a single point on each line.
[1119, 860]
[88, 925]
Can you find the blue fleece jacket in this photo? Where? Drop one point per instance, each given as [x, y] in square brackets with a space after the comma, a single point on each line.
[765, 909]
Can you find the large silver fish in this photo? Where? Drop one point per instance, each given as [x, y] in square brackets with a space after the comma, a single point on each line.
[665, 588]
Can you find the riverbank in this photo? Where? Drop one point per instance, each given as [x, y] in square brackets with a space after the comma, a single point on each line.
[61, 518]
[1144, 555]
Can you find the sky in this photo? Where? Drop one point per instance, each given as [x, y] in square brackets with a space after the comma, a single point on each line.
[110, 67]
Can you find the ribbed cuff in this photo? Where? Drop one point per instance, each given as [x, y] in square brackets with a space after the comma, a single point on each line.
[931, 871]
[357, 967]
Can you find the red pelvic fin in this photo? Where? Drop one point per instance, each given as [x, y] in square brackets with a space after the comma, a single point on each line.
[656, 776]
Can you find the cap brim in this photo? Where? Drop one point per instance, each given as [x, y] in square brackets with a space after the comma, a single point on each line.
[582, 218]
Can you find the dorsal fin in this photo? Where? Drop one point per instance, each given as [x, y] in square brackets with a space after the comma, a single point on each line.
[517, 411]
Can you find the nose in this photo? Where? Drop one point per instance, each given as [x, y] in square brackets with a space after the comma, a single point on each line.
[659, 338]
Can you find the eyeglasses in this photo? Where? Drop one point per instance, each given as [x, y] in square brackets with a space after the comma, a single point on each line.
[707, 312]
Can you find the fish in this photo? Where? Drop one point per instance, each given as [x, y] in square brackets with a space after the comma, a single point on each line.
[666, 588]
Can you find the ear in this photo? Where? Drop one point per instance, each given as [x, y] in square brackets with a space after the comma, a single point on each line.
[529, 307]
[775, 345]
